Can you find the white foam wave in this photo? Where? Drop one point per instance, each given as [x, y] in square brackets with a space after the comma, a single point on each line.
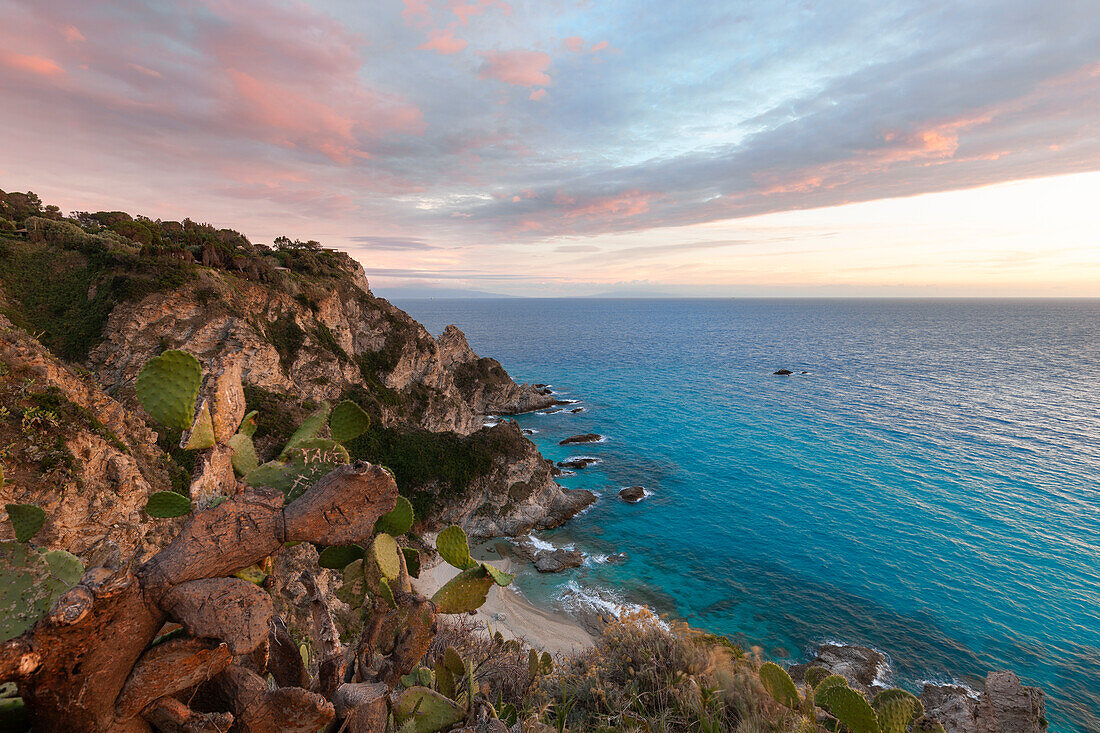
[601, 600]
[540, 544]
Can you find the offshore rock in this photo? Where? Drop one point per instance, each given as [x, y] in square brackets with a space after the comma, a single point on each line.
[583, 438]
[554, 561]
[1006, 706]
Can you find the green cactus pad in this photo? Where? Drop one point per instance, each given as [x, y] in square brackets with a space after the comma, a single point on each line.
[444, 680]
[308, 430]
[814, 675]
[29, 586]
[894, 715]
[546, 663]
[454, 547]
[348, 422]
[354, 585]
[244, 457]
[168, 386]
[387, 555]
[421, 676]
[386, 593]
[897, 694]
[167, 504]
[499, 577]
[397, 522]
[779, 685]
[248, 424]
[254, 574]
[200, 436]
[311, 461]
[427, 710]
[850, 708]
[339, 557]
[64, 566]
[412, 561]
[533, 662]
[465, 592]
[452, 660]
[26, 520]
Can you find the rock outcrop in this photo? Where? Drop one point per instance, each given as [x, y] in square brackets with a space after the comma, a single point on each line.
[1005, 706]
[583, 438]
[860, 665]
[77, 453]
[632, 494]
[517, 495]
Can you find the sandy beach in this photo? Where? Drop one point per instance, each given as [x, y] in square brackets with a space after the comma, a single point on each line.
[513, 615]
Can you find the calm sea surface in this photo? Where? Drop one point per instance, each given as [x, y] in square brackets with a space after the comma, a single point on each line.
[931, 487]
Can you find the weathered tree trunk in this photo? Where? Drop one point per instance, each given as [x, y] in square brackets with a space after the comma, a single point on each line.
[88, 666]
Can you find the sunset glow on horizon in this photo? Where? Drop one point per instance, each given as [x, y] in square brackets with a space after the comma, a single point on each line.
[560, 148]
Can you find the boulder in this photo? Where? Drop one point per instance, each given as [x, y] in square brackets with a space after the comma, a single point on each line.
[582, 438]
[632, 494]
[582, 462]
[557, 560]
[783, 372]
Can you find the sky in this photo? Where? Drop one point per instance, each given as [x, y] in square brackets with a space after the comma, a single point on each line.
[558, 148]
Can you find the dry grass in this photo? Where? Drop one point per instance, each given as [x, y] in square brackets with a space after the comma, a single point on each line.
[644, 675]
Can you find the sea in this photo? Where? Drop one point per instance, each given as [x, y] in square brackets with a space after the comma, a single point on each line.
[926, 482]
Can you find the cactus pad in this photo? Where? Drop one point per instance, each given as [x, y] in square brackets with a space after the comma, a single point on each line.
[387, 555]
[412, 561]
[26, 520]
[454, 547]
[167, 504]
[308, 430]
[779, 685]
[29, 586]
[299, 470]
[465, 592]
[354, 585]
[244, 458]
[895, 694]
[397, 522]
[452, 660]
[894, 715]
[200, 435]
[499, 577]
[850, 708]
[814, 675]
[386, 593]
[248, 424]
[348, 421]
[339, 557]
[427, 711]
[168, 386]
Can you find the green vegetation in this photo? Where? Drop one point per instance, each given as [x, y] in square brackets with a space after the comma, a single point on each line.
[287, 337]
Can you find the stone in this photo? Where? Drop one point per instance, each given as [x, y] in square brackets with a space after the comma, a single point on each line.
[574, 463]
[632, 494]
[555, 561]
[582, 438]
[783, 372]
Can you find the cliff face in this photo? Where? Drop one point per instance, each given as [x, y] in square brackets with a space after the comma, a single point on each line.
[317, 343]
[77, 453]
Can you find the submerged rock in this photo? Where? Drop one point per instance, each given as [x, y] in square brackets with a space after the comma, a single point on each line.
[582, 462]
[583, 438]
[632, 494]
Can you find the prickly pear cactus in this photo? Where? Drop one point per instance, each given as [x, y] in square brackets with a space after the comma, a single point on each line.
[348, 421]
[421, 676]
[168, 386]
[354, 585]
[339, 557]
[499, 577]
[850, 708]
[896, 694]
[301, 468]
[454, 547]
[248, 424]
[397, 522]
[894, 715]
[386, 593]
[244, 457]
[308, 430]
[428, 710]
[412, 561]
[167, 504]
[814, 675]
[26, 520]
[30, 583]
[386, 555]
[200, 435]
[465, 592]
[779, 685]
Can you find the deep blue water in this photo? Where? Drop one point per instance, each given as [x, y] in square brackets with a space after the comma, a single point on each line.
[931, 488]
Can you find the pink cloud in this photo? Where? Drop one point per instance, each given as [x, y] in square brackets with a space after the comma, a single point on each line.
[444, 42]
[33, 64]
[519, 68]
[574, 44]
[597, 47]
[463, 11]
[538, 95]
[72, 34]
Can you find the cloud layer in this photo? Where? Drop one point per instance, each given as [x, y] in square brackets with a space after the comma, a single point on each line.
[448, 128]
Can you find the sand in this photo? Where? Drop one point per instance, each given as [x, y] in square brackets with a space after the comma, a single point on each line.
[511, 614]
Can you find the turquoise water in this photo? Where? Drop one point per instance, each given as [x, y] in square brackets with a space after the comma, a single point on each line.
[931, 488]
